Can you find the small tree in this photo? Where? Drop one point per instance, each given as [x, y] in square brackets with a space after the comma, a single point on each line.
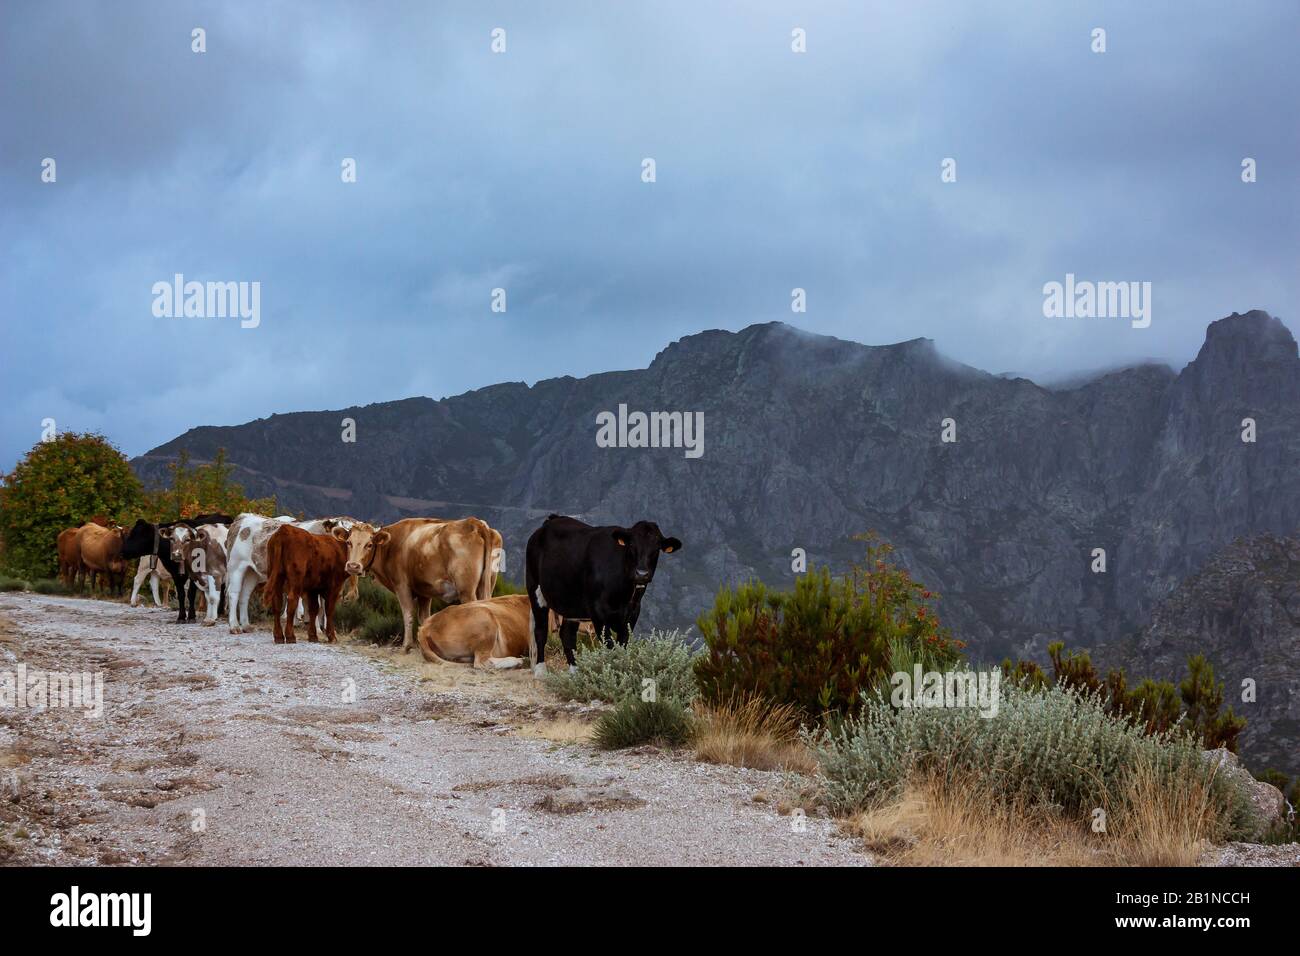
[61, 483]
[201, 489]
[820, 646]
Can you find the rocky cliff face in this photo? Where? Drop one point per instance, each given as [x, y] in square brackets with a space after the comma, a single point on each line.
[809, 440]
[1242, 611]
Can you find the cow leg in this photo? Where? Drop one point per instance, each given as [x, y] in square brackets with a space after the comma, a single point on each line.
[245, 596]
[539, 630]
[290, 603]
[407, 601]
[272, 602]
[153, 587]
[569, 638]
[235, 584]
[141, 573]
[180, 599]
[222, 598]
[214, 601]
[331, 602]
[193, 589]
[313, 608]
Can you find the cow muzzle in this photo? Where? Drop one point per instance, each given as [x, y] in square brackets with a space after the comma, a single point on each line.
[352, 567]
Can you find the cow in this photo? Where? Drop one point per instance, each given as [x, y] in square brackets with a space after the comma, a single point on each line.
[145, 540]
[420, 559]
[201, 553]
[586, 573]
[69, 556]
[100, 551]
[154, 575]
[486, 634]
[302, 565]
[246, 557]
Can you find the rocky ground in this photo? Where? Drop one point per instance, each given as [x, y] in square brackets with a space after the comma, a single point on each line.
[221, 749]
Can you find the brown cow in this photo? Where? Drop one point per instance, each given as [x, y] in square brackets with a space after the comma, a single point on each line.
[420, 559]
[301, 565]
[69, 556]
[100, 550]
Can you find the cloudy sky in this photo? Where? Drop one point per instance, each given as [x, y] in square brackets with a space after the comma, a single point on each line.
[522, 170]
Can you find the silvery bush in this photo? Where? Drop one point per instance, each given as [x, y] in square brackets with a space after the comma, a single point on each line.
[1050, 747]
[616, 673]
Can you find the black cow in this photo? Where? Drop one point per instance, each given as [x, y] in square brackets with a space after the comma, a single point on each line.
[589, 574]
[144, 539]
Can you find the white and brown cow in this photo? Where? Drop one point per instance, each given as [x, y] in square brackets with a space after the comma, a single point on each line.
[201, 551]
[246, 560]
[420, 559]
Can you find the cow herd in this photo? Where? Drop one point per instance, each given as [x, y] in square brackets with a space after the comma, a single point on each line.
[576, 575]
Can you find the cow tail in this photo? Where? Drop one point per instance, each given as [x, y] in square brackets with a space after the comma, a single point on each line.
[485, 579]
[274, 578]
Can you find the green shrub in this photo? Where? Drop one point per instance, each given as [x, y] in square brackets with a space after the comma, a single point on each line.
[50, 586]
[1055, 747]
[664, 723]
[380, 627]
[822, 645]
[615, 674]
[12, 584]
[1156, 706]
[349, 616]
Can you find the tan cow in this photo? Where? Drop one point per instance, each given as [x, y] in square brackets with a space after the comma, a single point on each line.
[487, 634]
[420, 559]
[69, 556]
[100, 549]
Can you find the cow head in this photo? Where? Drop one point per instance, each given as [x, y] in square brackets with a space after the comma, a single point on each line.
[640, 546]
[138, 542]
[177, 535]
[363, 543]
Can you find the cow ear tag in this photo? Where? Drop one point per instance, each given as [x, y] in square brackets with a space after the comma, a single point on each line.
[621, 542]
[669, 549]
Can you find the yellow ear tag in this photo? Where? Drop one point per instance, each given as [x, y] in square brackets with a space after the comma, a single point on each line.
[621, 542]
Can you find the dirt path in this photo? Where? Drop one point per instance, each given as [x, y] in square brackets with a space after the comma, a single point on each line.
[221, 749]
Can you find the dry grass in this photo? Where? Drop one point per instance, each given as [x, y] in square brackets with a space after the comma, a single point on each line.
[938, 824]
[1163, 826]
[751, 732]
[562, 730]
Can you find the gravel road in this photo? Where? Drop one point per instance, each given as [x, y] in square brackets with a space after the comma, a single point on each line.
[228, 749]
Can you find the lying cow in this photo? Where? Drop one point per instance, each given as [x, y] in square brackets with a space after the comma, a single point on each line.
[586, 573]
[100, 552]
[420, 559]
[487, 634]
[155, 575]
[201, 553]
[301, 565]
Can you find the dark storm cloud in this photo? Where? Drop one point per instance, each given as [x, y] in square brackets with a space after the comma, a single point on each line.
[522, 170]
